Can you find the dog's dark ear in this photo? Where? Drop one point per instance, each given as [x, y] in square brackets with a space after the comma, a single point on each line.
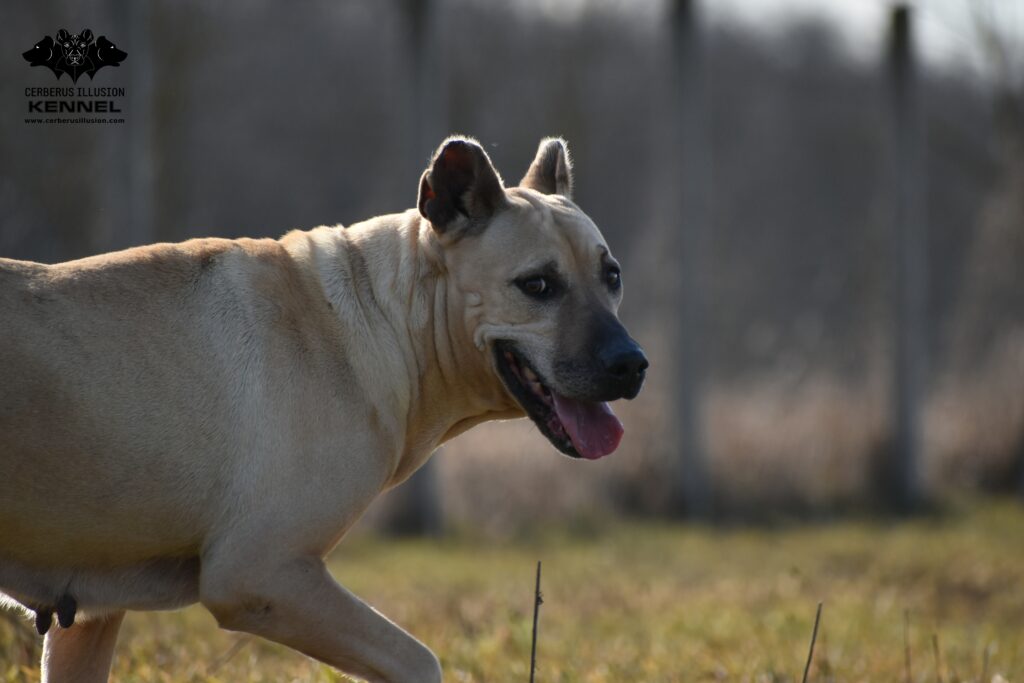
[86, 35]
[461, 190]
[62, 35]
[551, 170]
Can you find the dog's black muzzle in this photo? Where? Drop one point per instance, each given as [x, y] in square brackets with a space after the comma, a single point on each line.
[610, 366]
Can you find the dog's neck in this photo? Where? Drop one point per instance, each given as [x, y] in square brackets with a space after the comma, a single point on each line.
[410, 329]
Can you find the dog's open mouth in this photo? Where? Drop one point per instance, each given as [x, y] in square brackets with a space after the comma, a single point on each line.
[581, 429]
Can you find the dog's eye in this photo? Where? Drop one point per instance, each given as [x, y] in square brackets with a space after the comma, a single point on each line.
[614, 278]
[537, 286]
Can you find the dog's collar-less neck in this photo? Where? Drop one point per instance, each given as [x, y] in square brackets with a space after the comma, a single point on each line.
[406, 319]
[457, 386]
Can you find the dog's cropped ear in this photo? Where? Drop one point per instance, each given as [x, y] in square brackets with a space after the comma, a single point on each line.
[461, 190]
[551, 170]
[62, 35]
[86, 35]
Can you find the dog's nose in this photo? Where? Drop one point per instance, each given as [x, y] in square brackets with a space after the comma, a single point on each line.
[626, 365]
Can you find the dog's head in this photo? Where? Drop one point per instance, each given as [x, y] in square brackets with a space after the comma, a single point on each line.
[106, 53]
[74, 46]
[42, 53]
[542, 290]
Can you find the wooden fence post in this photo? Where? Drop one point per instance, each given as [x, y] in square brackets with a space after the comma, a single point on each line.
[416, 505]
[910, 263]
[692, 207]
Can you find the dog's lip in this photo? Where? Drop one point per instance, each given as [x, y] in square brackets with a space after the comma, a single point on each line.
[533, 395]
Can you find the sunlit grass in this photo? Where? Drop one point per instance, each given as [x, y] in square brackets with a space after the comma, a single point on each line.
[651, 602]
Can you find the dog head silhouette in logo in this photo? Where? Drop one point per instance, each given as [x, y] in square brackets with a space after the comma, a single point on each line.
[74, 54]
[104, 53]
[74, 49]
[44, 53]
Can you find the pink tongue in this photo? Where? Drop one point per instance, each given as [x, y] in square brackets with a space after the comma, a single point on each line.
[593, 427]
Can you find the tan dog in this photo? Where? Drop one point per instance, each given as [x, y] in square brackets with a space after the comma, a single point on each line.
[204, 421]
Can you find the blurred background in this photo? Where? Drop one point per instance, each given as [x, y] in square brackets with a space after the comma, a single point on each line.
[819, 208]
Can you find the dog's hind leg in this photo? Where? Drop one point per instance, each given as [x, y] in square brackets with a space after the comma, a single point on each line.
[82, 653]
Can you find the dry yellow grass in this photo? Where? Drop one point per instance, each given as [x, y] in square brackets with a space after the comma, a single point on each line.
[650, 602]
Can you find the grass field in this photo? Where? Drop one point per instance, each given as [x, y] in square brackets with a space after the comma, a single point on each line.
[652, 602]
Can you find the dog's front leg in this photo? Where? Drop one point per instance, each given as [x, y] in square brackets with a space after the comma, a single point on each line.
[300, 605]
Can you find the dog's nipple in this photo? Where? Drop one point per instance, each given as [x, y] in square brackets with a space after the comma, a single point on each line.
[44, 618]
[66, 608]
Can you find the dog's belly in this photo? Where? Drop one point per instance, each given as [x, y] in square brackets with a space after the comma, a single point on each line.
[93, 514]
[163, 583]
